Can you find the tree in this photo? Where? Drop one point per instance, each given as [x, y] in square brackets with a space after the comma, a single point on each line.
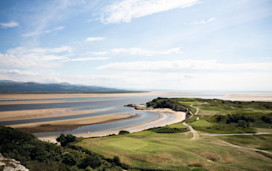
[65, 140]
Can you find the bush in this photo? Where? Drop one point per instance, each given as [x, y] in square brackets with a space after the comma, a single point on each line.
[92, 161]
[266, 119]
[66, 139]
[123, 132]
[116, 160]
[242, 124]
[69, 159]
[167, 130]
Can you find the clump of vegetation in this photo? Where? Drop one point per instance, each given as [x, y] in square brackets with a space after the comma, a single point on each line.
[123, 132]
[39, 155]
[171, 103]
[167, 130]
[167, 103]
[66, 139]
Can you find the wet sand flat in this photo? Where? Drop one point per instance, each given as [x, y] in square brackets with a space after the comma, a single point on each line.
[42, 113]
[70, 124]
[78, 121]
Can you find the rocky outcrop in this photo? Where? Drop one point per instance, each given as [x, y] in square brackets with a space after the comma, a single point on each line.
[138, 107]
[7, 164]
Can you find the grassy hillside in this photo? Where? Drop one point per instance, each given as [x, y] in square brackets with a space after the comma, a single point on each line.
[167, 149]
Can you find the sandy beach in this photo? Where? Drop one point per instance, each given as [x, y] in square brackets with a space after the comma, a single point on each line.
[179, 116]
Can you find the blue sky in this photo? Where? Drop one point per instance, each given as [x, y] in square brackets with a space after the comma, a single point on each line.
[139, 44]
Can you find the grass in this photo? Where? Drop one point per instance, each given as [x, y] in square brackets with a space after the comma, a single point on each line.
[201, 123]
[151, 150]
[174, 128]
[263, 142]
[176, 151]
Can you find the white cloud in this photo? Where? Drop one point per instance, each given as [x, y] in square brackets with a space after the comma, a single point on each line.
[90, 39]
[139, 51]
[90, 59]
[126, 10]
[34, 57]
[38, 32]
[203, 21]
[188, 65]
[9, 24]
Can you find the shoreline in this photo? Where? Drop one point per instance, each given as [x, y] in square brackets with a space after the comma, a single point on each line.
[179, 117]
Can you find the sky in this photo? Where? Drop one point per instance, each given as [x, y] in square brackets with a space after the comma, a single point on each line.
[139, 44]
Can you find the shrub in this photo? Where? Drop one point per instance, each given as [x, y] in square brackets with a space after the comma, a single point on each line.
[92, 161]
[123, 132]
[116, 160]
[69, 159]
[167, 130]
[66, 139]
[266, 119]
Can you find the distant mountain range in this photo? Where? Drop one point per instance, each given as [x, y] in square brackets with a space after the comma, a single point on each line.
[7, 86]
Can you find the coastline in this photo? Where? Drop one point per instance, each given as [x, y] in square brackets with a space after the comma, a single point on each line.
[179, 116]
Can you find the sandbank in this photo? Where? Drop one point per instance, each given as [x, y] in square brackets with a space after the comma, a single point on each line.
[179, 116]
[44, 113]
[77, 121]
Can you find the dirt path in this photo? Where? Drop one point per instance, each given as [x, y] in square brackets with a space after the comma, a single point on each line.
[245, 148]
[197, 109]
[194, 132]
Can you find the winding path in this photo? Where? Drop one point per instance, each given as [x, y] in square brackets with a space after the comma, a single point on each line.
[194, 132]
[197, 109]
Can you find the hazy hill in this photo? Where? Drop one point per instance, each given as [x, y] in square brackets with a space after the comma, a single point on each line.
[7, 86]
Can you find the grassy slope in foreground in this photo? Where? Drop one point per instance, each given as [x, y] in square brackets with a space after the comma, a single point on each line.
[177, 151]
